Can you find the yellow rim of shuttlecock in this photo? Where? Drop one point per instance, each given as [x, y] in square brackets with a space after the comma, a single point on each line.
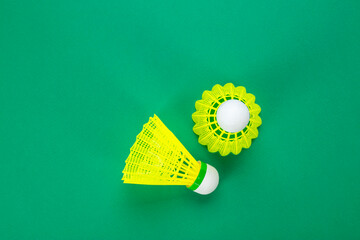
[208, 129]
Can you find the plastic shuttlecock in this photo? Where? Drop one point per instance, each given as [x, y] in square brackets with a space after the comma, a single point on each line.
[158, 158]
[226, 119]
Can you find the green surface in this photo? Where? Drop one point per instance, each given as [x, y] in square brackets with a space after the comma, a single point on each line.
[78, 79]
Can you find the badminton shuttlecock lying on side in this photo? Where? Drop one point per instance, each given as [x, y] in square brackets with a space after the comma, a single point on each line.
[158, 158]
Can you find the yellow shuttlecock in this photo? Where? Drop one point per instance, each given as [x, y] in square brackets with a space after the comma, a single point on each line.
[158, 158]
[226, 119]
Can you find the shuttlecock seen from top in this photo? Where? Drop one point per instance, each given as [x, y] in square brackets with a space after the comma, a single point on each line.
[226, 119]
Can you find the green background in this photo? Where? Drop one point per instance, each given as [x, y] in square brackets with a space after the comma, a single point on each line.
[78, 79]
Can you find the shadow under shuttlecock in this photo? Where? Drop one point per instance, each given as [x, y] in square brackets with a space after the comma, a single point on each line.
[149, 193]
[147, 196]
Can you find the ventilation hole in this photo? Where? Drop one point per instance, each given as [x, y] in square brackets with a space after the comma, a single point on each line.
[221, 100]
[218, 132]
[246, 130]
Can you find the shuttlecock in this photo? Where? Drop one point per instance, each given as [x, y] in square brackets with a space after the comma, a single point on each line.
[158, 158]
[226, 119]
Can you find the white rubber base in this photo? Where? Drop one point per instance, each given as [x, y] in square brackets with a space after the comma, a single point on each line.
[210, 181]
[233, 115]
